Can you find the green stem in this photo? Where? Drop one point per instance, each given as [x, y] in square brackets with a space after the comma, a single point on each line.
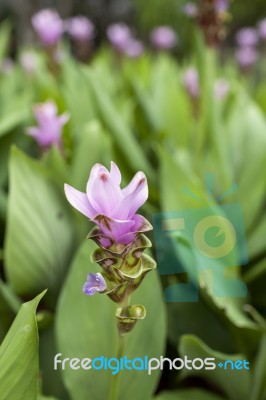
[116, 380]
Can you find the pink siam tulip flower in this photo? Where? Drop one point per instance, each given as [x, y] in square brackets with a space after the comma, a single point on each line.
[80, 28]
[119, 36]
[247, 37]
[95, 283]
[262, 29]
[191, 82]
[246, 57]
[49, 26]
[221, 88]
[134, 48]
[49, 130]
[111, 208]
[163, 38]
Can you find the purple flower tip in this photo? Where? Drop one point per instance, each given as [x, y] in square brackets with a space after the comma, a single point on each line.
[262, 29]
[119, 35]
[111, 208]
[221, 88]
[190, 10]
[48, 25]
[222, 6]
[80, 28]
[49, 129]
[246, 57]
[247, 37]
[29, 62]
[95, 283]
[134, 48]
[163, 37]
[191, 82]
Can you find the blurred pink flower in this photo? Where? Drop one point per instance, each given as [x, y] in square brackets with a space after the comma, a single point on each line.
[262, 29]
[49, 129]
[163, 37]
[221, 88]
[191, 82]
[80, 28]
[111, 208]
[134, 48]
[247, 37]
[222, 5]
[48, 25]
[28, 61]
[246, 57]
[190, 9]
[119, 36]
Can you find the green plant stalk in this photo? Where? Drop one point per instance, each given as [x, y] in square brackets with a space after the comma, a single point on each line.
[120, 353]
[116, 378]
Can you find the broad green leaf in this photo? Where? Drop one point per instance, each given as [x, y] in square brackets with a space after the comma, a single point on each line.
[124, 138]
[86, 328]
[235, 384]
[4, 38]
[92, 147]
[259, 375]
[39, 238]
[19, 369]
[188, 394]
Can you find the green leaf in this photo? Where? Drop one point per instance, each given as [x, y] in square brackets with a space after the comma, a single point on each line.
[39, 238]
[235, 384]
[4, 38]
[86, 328]
[125, 140]
[19, 367]
[188, 394]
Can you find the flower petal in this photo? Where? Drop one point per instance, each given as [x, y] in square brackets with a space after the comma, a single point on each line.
[132, 185]
[33, 131]
[79, 201]
[134, 198]
[104, 195]
[115, 174]
[92, 177]
[115, 229]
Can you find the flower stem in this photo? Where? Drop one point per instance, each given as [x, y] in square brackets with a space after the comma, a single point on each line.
[115, 380]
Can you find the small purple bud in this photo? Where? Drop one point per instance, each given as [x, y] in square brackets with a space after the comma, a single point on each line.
[49, 129]
[119, 35]
[221, 88]
[262, 29]
[190, 10]
[191, 82]
[80, 28]
[95, 283]
[246, 57]
[28, 61]
[247, 37]
[134, 48]
[48, 25]
[163, 37]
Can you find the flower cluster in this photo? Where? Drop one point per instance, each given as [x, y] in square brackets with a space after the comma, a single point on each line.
[50, 27]
[247, 40]
[192, 85]
[122, 40]
[119, 235]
